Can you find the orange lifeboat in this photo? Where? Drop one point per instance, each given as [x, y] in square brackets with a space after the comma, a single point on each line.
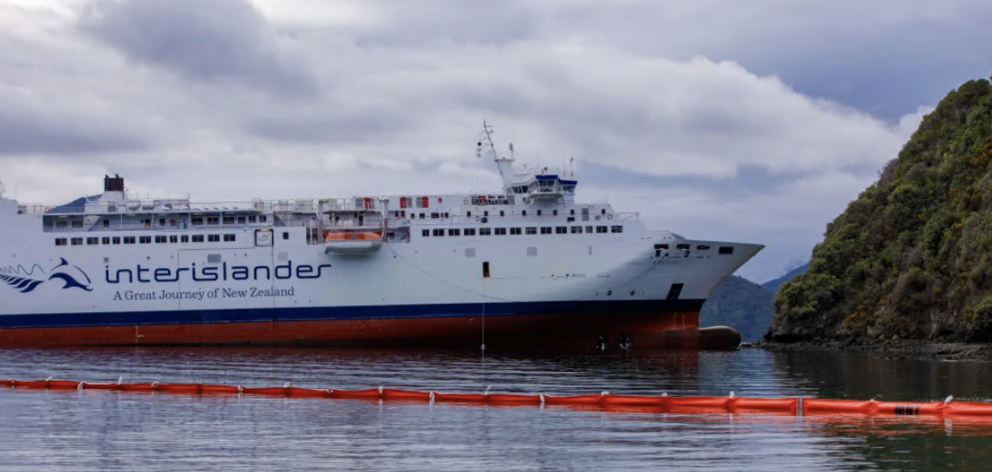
[352, 243]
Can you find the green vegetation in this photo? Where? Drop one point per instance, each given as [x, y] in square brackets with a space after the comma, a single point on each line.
[776, 284]
[912, 255]
[740, 304]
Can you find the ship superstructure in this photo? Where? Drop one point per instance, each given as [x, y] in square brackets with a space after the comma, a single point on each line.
[522, 265]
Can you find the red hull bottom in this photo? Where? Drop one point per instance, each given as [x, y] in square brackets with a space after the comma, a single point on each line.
[678, 330]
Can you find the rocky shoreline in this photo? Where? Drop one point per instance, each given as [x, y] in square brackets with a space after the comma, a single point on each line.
[919, 350]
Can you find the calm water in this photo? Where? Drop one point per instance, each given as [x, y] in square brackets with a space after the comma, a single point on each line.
[97, 430]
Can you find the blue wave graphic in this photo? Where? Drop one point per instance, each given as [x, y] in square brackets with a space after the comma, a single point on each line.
[20, 270]
[21, 284]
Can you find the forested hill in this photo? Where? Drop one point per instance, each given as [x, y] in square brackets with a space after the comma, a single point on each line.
[912, 255]
[740, 304]
[775, 284]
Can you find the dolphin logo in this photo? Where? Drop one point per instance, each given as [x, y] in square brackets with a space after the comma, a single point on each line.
[69, 274]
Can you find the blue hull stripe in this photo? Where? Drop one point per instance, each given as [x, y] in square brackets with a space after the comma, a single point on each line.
[617, 308]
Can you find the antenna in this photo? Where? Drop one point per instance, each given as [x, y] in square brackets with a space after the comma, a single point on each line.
[1, 188]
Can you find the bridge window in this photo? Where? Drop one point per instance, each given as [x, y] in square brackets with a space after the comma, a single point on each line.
[213, 220]
[196, 221]
[161, 221]
[515, 231]
[241, 220]
[228, 220]
[60, 241]
[106, 223]
[618, 229]
[251, 219]
[262, 218]
[726, 250]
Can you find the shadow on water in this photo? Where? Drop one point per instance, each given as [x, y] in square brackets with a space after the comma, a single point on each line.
[90, 429]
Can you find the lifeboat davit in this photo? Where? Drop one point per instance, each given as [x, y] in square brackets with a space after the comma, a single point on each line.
[352, 243]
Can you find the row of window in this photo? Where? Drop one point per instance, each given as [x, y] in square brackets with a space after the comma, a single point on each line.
[439, 232]
[701, 247]
[423, 216]
[108, 240]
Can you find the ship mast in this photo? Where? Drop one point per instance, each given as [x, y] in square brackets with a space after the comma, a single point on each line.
[503, 164]
[1, 189]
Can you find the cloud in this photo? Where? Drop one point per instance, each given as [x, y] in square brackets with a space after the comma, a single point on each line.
[213, 40]
[659, 103]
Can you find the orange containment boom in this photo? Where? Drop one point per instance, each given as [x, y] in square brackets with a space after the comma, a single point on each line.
[646, 403]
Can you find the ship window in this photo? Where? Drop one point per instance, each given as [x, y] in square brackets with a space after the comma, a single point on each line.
[421, 216]
[128, 239]
[228, 220]
[576, 230]
[92, 241]
[262, 218]
[215, 238]
[502, 213]
[425, 233]
[702, 247]
[106, 223]
[485, 231]
[117, 240]
[469, 231]
[60, 241]
[213, 220]
[454, 232]
[161, 221]
[285, 235]
[682, 246]
[545, 230]
[524, 213]
[726, 250]
[173, 239]
[196, 221]
[572, 212]
[485, 270]
[500, 231]
[61, 224]
[485, 213]
[515, 231]
[144, 239]
[438, 233]
[602, 212]
[468, 214]
[538, 212]
[161, 239]
[485, 220]
[588, 229]
[106, 240]
[570, 219]
[661, 246]
[229, 238]
[619, 229]
[251, 219]
[197, 238]
[241, 220]
[600, 229]
[184, 238]
[554, 212]
[531, 230]
[561, 230]
[77, 224]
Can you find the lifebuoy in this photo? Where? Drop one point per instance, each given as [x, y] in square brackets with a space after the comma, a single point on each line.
[610, 216]
[465, 202]
[476, 218]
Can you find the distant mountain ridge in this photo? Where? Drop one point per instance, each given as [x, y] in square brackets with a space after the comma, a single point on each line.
[775, 284]
[739, 304]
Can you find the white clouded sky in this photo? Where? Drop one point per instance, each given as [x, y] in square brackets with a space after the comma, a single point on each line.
[715, 119]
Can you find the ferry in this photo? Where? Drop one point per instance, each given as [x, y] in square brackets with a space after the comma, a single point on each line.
[527, 265]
